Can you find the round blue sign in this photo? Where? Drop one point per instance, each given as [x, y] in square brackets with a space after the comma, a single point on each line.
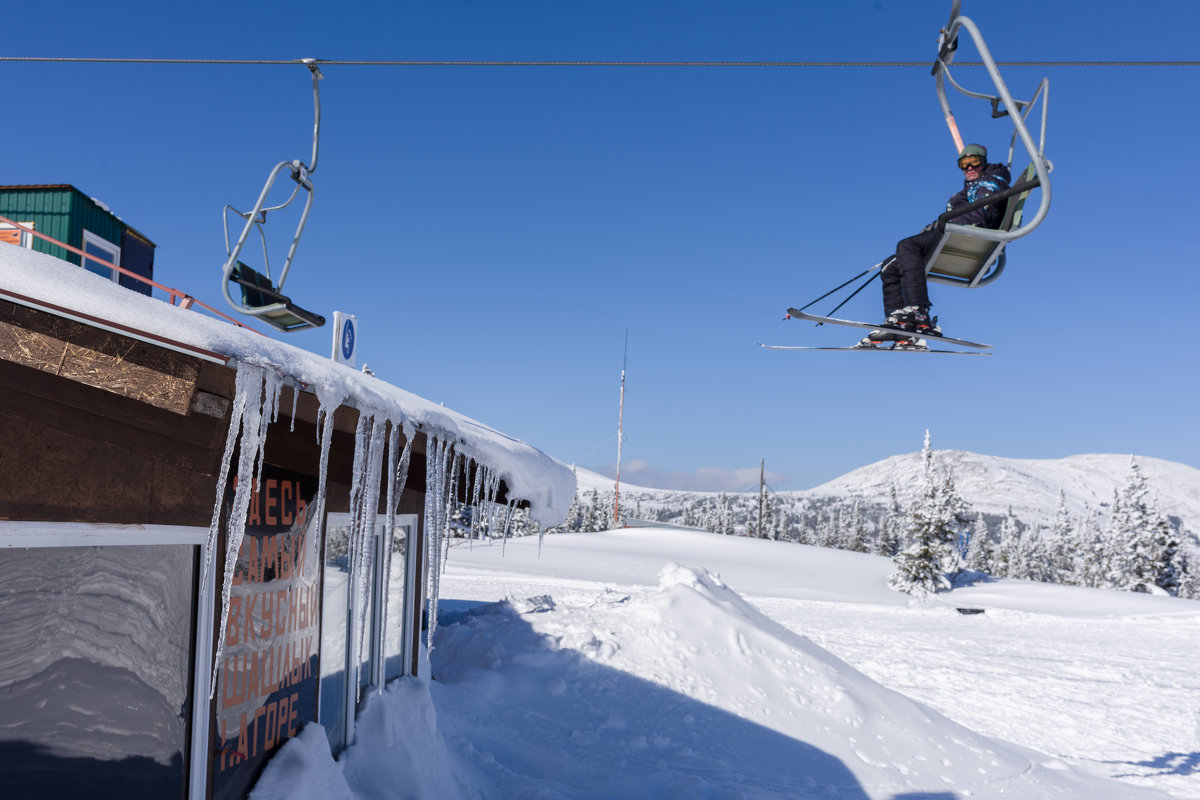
[347, 338]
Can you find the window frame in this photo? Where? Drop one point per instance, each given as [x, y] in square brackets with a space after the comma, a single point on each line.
[38, 535]
[376, 667]
[114, 251]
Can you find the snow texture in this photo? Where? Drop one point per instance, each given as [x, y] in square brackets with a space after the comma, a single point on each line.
[652, 663]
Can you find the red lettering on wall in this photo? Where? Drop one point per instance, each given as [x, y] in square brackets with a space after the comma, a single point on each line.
[272, 500]
[287, 495]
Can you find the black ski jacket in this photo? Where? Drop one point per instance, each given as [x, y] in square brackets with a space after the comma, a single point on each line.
[994, 179]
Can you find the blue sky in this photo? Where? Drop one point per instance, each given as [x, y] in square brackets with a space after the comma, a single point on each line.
[497, 230]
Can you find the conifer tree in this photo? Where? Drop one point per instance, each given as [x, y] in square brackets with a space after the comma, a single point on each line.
[952, 509]
[891, 540]
[591, 513]
[1007, 554]
[1059, 543]
[856, 529]
[1169, 563]
[979, 549]
[1033, 556]
[922, 566]
[1131, 535]
[1091, 553]
[826, 529]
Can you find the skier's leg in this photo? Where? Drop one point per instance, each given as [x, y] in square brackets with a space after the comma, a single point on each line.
[893, 294]
[910, 266]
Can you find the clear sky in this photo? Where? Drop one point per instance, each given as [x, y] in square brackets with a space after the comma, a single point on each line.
[497, 230]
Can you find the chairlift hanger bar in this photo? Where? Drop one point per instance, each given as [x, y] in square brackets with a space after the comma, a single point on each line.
[525, 63]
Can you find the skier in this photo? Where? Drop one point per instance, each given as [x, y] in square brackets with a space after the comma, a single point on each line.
[905, 293]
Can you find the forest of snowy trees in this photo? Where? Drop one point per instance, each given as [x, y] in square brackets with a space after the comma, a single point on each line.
[932, 534]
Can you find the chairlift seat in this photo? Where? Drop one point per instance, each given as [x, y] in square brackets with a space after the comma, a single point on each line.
[266, 302]
[964, 260]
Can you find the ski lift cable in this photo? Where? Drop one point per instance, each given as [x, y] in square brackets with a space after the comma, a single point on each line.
[577, 63]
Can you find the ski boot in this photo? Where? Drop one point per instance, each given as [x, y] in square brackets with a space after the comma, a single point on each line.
[910, 343]
[914, 319]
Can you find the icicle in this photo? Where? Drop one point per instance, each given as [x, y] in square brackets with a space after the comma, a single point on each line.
[325, 437]
[457, 465]
[241, 383]
[476, 484]
[405, 460]
[493, 506]
[508, 517]
[452, 492]
[437, 521]
[397, 477]
[364, 502]
[273, 391]
[255, 417]
[295, 403]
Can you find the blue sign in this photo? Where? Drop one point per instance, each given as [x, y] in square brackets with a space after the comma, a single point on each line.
[348, 339]
[345, 338]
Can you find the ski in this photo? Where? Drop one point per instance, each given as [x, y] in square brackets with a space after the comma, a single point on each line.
[875, 349]
[797, 314]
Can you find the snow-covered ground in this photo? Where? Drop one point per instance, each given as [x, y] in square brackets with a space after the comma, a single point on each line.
[651, 663]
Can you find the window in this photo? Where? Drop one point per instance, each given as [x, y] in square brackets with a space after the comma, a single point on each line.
[101, 628]
[93, 245]
[347, 666]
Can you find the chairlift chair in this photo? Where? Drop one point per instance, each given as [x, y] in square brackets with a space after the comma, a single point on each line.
[968, 255]
[259, 295]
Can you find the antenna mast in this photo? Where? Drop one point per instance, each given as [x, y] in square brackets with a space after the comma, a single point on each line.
[620, 435]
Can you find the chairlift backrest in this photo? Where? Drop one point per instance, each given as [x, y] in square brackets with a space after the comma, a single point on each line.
[963, 259]
[1016, 203]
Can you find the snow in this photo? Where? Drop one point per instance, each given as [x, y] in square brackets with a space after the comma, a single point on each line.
[531, 475]
[650, 663]
[1030, 487]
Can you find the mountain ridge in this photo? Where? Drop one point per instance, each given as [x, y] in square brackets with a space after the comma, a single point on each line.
[993, 484]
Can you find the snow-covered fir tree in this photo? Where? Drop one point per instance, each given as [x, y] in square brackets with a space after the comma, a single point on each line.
[1169, 563]
[854, 529]
[827, 529]
[922, 567]
[1059, 543]
[1091, 552]
[1032, 562]
[1006, 559]
[1131, 535]
[891, 527]
[591, 513]
[979, 549]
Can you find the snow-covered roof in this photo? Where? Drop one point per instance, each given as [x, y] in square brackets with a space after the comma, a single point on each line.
[546, 483]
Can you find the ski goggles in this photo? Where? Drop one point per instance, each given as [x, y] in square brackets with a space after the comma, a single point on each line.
[970, 162]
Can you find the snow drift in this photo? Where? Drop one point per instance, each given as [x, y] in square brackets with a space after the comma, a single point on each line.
[683, 688]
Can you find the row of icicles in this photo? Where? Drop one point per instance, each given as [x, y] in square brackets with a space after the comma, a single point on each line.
[256, 406]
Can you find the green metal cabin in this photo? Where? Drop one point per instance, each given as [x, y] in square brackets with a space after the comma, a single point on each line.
[64, 213]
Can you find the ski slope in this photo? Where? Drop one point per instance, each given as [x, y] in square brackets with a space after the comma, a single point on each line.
[652, 663]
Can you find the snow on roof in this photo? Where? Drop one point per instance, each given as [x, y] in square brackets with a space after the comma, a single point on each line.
[546, 483]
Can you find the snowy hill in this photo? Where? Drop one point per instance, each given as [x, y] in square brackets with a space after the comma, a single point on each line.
[654, 663]
[992, 484]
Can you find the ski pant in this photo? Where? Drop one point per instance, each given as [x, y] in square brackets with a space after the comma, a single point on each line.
[904, 278]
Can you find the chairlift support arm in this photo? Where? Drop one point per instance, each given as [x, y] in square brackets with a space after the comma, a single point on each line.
[1016, 111]
[301, 174]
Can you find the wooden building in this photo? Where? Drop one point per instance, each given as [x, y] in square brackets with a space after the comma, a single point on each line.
[137, 660]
